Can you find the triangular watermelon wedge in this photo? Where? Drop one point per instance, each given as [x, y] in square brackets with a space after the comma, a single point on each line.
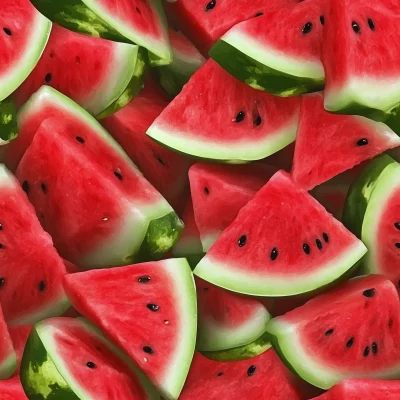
[279, 52]
[251, 124]
[8, 357]
[23, 36]
[149, 310]
[141, 22]
[328, 144]
[282, 243]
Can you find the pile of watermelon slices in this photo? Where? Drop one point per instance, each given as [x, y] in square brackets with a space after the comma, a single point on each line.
[199, 200]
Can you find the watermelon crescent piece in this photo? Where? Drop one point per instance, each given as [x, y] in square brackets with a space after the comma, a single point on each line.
[282, 243]
[141, 22]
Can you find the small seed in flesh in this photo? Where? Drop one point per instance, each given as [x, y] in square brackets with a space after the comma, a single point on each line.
[240, 116]
[306, 248]
[153, 307]
[242, 240]
[91, 364]
[366, 351]
[329, 332]
[211, 5]
[350, 343]
[274, 254]
[144, 279]
[251, 370]
[362, 142]
[369, 292]
[374, 348]
[325, 237]
[307, 28]
[148, 350]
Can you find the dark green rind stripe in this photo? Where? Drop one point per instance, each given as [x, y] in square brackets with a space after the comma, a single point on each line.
[360, 193]
[39, 376]
[162, 234]
[8, 120]
[134, 87]
[260, 76]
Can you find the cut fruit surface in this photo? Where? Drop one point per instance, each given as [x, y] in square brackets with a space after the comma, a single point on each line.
[282, 243]
[284, 59]
[349, 332]
[251, 124]
[159, 301]
[69, 358]
[328, 144]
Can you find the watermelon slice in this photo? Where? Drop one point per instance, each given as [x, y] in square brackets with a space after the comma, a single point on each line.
[282, 243]
[164, 169]
[8, 357]
[363, 389]
[350, 332]
[100, 211]
[141, 22]
[11, 389]
[91, 71]
[159, 301]
[206, 21]
[23, 37]
[226, 319]
[251, 124]
[340, 141]
[357, 82]
[219, 192]
[262, 377]
[68, 358]
[31, 271]
[279, 52]
[372, 211]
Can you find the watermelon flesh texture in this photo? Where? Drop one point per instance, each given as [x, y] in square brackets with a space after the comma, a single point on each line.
[358, 82]
[8, 357]
[363, 389]
[31, 271]
[284, 59]
[205, 22]
[23, 38]
[251, 124]
[11, 389]
[226, 319]
[262, 377]
[350, 332]
[159, 301]
[71, 359]
[163, 168]
[219, 192]
[340, 141]
[282, 243]
[91, 71]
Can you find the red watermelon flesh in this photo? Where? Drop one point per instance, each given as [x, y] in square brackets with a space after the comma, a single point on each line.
[282, 243]
[91, 71]
[19, 336]
[11, 389]
[206, 21]
[348, 332]
[328, 144]
[220, 191]
[251, 124]
[8, 357]
[31, 271]
[363, 389]
[149, 310]
[262, 377]
[165, 169]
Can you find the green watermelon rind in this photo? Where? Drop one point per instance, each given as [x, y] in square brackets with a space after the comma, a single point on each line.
[88, 17]
[39, 37]
[8, 121]
[241, 56]
[44, 375]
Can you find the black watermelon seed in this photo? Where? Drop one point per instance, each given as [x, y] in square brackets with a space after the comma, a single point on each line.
[374, 348]
[91, 364]
[1, 227]
[397, 225]
[319, 244]
[2, 281]
[43, 187]
[322, 19]
[258, 120]
[220, 373]
[274, 254]
[371, 24]
[144, 279]
[42, 286]
[366, 351]
[25, 186]
[390, 323]
[326, 237]
[118, 175]
[48, 78]
[7, 31]
[356, 27]
[160, 160]
[329, 332]
[148, 350]
[307, 28]
[206, 190]
[205, 289]
[306, 248]
[369, 292]
[240, 116]
[210, 5]
[350, 343]
[362, 142]
[1, 246]
[242, 240]
[397, 245]
[138, 10]
[251, 370]
[80, 139]
[153, 307]
[259, 14]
